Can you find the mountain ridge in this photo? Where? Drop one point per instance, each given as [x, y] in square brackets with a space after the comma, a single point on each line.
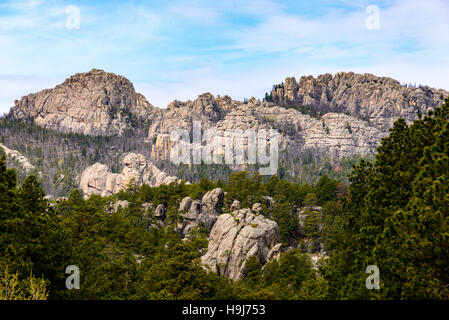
[91, 103]
[312, 130]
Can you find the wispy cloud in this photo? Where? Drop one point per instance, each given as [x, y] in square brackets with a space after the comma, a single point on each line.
[180, 49]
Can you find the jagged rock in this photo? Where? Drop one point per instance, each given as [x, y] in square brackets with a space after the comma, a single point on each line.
[213, 201]
[93, 103]
[15, 155]
[257, 208]
[194, 217]
[161, 147]
[379, 99]
[275, 252]
[235, 205]
[234, 239]
[204, 211]
[159, 213]
[194, 211]
[97, 179]
[359, 110]
[334, 135]
[185, 204]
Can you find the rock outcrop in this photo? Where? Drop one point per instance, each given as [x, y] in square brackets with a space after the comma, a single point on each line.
[160, 211]
[356, 112]
[206, 211]
[17, 157]
[236, 237]
[381, 100]
[335, 135]
[97, 179]
[327, 118]
[92, 103]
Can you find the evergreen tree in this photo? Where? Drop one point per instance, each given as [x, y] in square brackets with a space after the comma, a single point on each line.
[397, 217]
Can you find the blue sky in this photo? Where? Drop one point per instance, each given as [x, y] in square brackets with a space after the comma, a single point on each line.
[179, 49]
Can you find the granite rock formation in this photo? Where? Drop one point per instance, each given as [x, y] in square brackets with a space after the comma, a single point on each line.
[16, 156]
[381, 100]
[92, 103]
[236, 237]
[206, 211]
[97, 179]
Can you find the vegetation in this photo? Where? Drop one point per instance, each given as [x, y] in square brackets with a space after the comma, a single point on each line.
[394, 214]
[397, 217]
[121, 255]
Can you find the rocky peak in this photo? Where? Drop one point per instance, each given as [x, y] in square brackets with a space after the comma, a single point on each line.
[381, 100]
[93, 103]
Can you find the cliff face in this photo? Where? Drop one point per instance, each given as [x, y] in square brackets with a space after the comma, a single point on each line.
[92, 103]
[380, 100]
[335, 135]
[332, 117]
[338, 116]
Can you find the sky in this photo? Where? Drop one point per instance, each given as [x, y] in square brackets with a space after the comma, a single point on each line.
[180, 49]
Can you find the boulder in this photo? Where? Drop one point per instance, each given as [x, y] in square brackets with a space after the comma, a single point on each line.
[257, 208]
[185, 204]
[213, 201]
[204, 211]
[236, 237]
[235, 205]
[97, 179]
[160, 211]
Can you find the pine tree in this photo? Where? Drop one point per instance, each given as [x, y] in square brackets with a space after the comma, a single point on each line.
[397, 216]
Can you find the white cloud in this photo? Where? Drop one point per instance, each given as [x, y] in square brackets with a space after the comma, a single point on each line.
[140, 42]
[196, 13]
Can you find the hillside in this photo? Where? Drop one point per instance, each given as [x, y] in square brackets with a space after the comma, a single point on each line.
[325, 124]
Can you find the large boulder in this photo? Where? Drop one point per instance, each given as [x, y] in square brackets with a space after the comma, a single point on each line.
[236, 237]
[206, 211]
[160, 211]
[213, 201]
[185, 204]
[97, 179]
[235, 205]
